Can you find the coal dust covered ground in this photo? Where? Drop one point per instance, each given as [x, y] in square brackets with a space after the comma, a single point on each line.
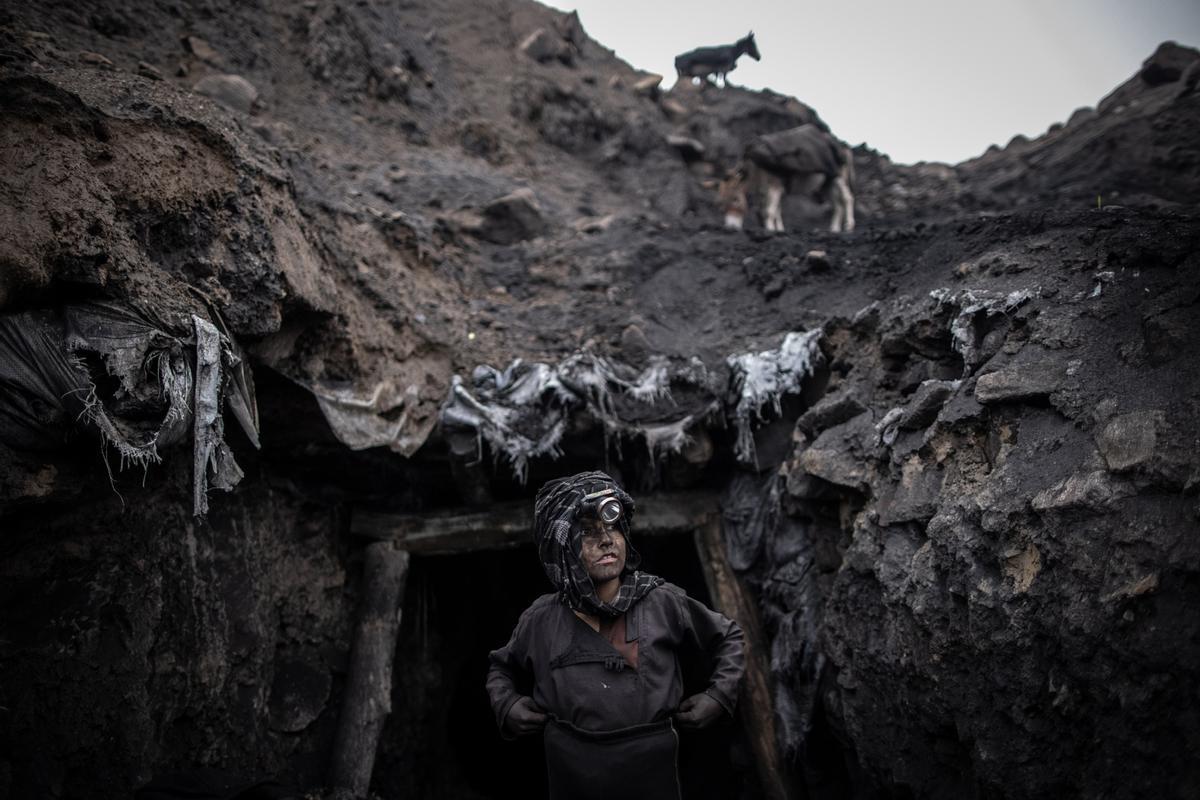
[270, 269]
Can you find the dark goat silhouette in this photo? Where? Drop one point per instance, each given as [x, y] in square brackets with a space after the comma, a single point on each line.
[719, 61]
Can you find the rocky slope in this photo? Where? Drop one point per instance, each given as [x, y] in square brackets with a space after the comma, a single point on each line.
[980, 549]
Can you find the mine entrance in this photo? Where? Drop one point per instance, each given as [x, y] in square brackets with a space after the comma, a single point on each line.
[441, 739]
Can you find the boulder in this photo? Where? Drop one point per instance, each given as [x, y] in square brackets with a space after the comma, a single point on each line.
[200, 49]
[1024, 382]
[835, 466]
[1081, 116]
[925, 404]
[95, 60]
[1167, 64]
[1094, 490]
[1021, 566]
[818, 261]
[914, 497]
[648, 86]
[512, 218]
[1129, 440]
[571, 29]
[828, 412]
[232, 91]
[544, 46]
[594, 224]
[147, 70]
[674, 109]
[688, 147]
[839, 454]
[634, 344]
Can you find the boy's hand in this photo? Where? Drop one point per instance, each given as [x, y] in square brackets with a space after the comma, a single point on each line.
[698, 711]
[525, 717]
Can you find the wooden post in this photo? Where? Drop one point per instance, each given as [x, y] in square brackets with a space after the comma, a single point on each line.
[757, 706]
[368, 697]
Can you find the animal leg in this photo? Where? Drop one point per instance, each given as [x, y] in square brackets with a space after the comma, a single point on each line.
[849, 226]
[838, 201]
[842, 190]
[844, 203]
[774, 202]
[731, 196]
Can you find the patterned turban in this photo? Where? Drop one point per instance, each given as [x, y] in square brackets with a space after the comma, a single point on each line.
[559, 542]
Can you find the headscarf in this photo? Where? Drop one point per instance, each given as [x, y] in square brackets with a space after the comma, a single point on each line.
[559, 542]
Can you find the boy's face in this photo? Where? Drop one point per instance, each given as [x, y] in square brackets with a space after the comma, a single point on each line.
[602, 551]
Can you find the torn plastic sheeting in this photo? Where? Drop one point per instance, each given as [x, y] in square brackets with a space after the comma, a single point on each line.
[888, 428]
[129, 348]
[47, 368]
[792, 601]
[750, 511]
[523, 410]
[972, 302]
[241, 397]
[599, 379]
[501, 426]
[377, 417]
[44, 389]
[759, 379]
[672, 437]
[762, 542]
[521, 384]
[209, 448]
[796, 666]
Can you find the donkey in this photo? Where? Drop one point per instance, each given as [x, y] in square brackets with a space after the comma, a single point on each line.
[804, 159]
[718, 61]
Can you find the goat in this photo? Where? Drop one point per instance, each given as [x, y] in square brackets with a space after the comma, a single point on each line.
[804, 159]
[718, 61]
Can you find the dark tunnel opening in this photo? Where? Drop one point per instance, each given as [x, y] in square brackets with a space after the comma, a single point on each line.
[441, 739]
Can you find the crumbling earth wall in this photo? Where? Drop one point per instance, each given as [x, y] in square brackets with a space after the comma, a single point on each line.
[1018, 541]
[138, 639]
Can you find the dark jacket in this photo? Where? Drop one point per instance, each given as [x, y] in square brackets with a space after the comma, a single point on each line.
[578, 677]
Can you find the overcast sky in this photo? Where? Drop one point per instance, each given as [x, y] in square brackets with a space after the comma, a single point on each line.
[932, 80]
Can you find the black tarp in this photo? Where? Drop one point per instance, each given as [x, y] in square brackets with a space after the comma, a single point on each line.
[104, 367]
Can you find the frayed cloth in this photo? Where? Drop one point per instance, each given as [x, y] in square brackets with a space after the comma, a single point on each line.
[761, 379]
[523, 411]
[158, 388]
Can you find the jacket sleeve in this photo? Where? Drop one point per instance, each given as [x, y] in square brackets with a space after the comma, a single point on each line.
[719, 638]
[510, 673]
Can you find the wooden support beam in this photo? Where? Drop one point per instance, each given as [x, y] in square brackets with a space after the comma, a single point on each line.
[757, 706]
[368, 698]
[509, 524]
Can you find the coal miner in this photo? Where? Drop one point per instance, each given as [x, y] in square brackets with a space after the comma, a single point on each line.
[599, 665]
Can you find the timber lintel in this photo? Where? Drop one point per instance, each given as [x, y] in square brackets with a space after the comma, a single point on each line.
[507, 525]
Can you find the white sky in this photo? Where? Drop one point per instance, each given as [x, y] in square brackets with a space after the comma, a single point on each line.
[932, 80]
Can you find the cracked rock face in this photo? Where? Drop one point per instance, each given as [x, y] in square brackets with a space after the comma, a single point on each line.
[454, 241]
[1009, 573]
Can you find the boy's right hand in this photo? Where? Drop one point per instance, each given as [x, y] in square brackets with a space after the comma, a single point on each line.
[525, 717]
